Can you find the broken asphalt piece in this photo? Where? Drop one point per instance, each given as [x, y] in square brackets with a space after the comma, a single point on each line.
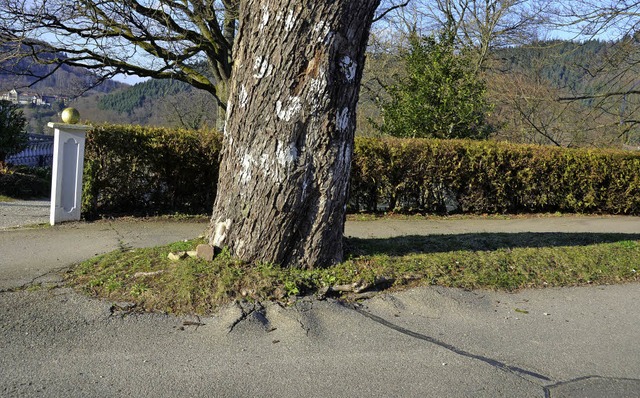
[177, 256]
[152, 273]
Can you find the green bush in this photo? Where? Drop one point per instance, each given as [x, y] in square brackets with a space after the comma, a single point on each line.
[13, 136]
[437, 176]
[441, 94]
[145, 170]
[23, 182]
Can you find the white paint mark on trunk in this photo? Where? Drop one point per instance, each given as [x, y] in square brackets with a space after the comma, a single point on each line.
[342, 157]
[342, 119]
[247, 168]
[286, 113]
[348, 68]
[305, 185]
[220, 233]
[228, 112]
[318, 84]
[316, 95]
[286, 154]
[323, 29]
[288, 23]
[262, 68]
[265, 164]
[347, 155]
[265, 18]
[341, 167]
[243, 97]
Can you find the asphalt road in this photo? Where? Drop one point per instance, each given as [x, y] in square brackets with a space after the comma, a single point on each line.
[24, 212]
[570, 342]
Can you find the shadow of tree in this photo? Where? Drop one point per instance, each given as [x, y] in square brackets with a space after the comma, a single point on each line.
[414, 244]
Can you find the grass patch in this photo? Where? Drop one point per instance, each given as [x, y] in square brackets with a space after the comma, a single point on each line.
[4, 198]
[149, 279]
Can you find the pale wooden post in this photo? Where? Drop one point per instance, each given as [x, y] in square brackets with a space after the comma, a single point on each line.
[68, 164]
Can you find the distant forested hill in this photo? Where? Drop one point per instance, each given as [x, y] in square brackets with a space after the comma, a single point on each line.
[159, 102]
[126, 101]
[65, 81]
[566, 65]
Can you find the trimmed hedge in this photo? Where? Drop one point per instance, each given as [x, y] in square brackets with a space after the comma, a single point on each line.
[142, 170]
[24, 182]
[417, 175]
[146, 170]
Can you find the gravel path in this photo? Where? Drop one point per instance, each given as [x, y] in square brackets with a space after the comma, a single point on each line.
[24, 212]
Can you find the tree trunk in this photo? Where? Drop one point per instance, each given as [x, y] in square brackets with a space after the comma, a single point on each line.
[288, 138]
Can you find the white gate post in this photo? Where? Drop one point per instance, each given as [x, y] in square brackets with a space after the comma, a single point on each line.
[68, 164]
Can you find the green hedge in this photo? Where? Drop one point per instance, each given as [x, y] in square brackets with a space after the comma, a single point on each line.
[141, 170]
[23, 182]
[491, 177]
[145, 170]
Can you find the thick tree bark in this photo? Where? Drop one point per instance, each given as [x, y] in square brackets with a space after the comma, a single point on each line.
[289, 134]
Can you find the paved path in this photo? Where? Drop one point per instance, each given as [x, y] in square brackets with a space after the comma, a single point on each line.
[385, 228]
[29, 253]
[24, 212]
[572, 342]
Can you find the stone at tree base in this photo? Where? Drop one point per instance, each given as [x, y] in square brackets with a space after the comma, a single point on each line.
[205, 252]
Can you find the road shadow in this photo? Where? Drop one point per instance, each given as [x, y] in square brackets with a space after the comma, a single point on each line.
[413, 244]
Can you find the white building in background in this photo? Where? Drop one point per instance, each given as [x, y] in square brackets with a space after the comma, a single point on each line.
[26, 98]
[16, 97]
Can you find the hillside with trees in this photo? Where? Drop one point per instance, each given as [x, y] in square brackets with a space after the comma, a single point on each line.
[564, 93]
[63, 84]
[564, 64]
[45, 77]
[169, 103]
[543, 92]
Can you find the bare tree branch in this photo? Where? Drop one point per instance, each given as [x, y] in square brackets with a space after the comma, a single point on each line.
[389, 10]
[186, 40]
[600, 95]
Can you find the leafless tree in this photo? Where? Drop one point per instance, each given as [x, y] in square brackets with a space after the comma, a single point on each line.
[615, 89]
[480, 25]
[190, 41]
[288, 73]
[528, 111]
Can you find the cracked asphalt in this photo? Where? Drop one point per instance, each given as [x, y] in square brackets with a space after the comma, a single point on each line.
[569, 342]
